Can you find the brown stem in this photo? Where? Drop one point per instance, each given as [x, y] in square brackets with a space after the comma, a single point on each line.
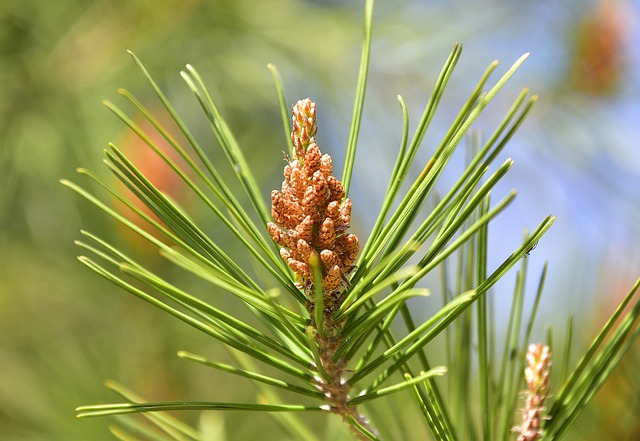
[334, 386]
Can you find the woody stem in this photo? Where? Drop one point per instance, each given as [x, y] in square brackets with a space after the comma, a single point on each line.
[334, 385]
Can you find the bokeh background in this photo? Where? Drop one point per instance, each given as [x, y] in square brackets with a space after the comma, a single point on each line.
[63, 330]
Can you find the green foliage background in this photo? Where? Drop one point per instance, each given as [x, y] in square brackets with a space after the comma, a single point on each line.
[62, 329]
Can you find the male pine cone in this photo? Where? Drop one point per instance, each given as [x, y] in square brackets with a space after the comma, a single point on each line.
[310, 213]
[537, 377]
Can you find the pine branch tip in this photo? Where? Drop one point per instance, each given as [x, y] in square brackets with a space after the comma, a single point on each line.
[274, 293]
[111, 384]
[183, 354]
[522, 58]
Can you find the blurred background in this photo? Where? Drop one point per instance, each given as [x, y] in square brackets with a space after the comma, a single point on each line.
[63, 331]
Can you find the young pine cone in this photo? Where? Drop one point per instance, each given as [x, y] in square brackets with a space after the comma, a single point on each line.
[310, 213]
[537, 377]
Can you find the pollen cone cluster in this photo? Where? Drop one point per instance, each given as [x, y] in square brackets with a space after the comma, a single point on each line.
[537, 377]
[310, 213]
